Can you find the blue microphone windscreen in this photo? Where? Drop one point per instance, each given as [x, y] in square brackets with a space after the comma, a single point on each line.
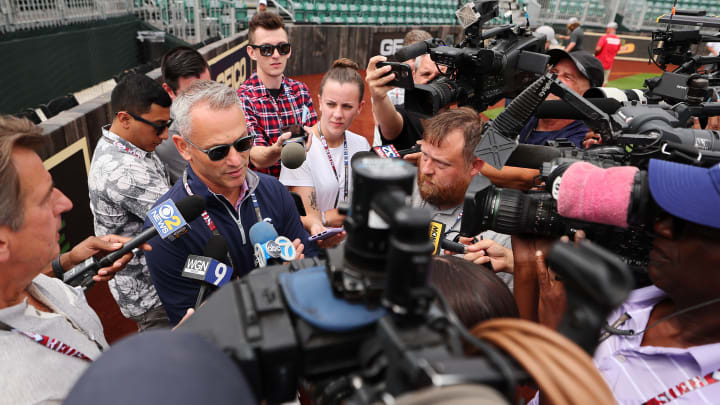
[262, 232]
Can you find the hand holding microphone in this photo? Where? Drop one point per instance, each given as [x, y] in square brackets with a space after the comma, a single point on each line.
[169, 220]
[294, 145]
[94, 245]
[271, 249]
[488, 252]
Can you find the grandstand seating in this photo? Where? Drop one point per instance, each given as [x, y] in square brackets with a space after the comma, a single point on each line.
[394, 12]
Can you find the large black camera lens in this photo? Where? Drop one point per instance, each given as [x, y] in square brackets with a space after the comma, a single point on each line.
[428, 99]
[515, 212]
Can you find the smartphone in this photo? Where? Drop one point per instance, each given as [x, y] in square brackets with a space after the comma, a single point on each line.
[326, 234]
[403, 74]
[297, 131]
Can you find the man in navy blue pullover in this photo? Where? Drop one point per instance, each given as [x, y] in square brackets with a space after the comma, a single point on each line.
[212, 137]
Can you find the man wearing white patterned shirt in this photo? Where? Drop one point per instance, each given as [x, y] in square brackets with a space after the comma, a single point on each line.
[126, 178]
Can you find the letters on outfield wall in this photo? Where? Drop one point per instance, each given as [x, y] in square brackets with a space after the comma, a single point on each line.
[231, 67]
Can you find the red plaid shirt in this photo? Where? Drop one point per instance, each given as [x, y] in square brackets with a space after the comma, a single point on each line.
[266, 116]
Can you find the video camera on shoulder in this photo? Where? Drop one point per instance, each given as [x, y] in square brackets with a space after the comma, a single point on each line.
[487, 66]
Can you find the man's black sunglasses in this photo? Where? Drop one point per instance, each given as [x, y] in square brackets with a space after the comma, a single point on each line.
[219, 152]
[159, 128]
[268, 50]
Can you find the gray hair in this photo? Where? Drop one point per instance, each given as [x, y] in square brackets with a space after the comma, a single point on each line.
[217, 95]
[14, 132]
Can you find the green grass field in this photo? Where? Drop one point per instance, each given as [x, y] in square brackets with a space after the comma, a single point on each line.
[625, 83]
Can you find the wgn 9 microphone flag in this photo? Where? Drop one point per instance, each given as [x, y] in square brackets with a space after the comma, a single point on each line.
[209, 267]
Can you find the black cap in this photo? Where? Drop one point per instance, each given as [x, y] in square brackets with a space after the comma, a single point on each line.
[587, 64]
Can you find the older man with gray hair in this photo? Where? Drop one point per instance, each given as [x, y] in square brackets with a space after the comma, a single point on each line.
[48, 332]
[213, 138]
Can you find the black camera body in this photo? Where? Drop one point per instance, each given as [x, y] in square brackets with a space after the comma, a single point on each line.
[485, 67]
[395, 334]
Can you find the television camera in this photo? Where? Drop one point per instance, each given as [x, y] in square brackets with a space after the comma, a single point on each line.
[363, 326]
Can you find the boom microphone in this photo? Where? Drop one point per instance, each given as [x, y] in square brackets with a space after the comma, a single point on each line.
[593, 194]
[169, 220]
[292, 155]
[560, 109]
[209, 268]
[412, 51]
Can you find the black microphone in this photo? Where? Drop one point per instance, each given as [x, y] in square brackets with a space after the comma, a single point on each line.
[170, 225]
[412, 51]
[209, 268]
[560, 109]
[532, 156]
[454, 247]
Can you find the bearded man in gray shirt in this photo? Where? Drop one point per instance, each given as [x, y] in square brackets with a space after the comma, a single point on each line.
[446, 167]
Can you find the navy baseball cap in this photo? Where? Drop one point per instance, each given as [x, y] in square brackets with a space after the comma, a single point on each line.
[162, 368]
[588, 65]
[688, 192]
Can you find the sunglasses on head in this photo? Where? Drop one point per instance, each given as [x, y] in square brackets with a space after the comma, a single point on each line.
[268, 50]
[159, 128]
[219, 152]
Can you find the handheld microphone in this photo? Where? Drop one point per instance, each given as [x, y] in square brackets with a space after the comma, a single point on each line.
[209, 268]
[293, 154]
[437, 230]
[270, 249]
[169, 221]
[454, 247]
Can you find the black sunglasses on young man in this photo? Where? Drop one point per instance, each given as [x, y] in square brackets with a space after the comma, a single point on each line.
[159, 128]
[268, 50]
[219, 152]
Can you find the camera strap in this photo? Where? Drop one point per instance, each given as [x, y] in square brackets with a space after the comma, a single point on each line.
[332, 164]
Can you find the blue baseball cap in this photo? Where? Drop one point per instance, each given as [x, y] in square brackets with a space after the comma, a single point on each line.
[688, 192]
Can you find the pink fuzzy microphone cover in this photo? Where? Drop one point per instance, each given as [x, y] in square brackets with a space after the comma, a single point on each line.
[593, 194]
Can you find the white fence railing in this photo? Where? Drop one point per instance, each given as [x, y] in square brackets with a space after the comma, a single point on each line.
[18, 15]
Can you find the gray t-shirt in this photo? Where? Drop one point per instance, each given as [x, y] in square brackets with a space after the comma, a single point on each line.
[452, 220]
[577, 36]
[169, 155]
[32, 373]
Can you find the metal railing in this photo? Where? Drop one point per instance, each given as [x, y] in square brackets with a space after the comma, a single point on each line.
[591, 13]
[194, 21]
[18, 15]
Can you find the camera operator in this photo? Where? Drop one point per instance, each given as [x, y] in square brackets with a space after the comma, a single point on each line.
[48, 332]
[579, 71]
[666, 342]
[397, 94]
[445, 170]
[397, 125]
